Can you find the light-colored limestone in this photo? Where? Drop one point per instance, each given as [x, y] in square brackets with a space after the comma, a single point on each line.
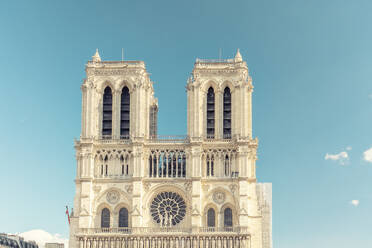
[233, 184]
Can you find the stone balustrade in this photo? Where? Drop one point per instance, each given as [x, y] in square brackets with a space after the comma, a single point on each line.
[163, 230]
[113, 176]
[192, 241]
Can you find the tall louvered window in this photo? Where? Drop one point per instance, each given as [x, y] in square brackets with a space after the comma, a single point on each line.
[227, 113]
[227, 217]
[227, 166]
[210, 113]
[153, 121]
[151, 170]
[123, 217]
[210, 165]
[211, 218]
[107, 113]
[125, 113]
[105, 218]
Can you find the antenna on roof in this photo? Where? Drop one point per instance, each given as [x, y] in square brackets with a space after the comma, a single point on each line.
[220, 53]
[122, 54]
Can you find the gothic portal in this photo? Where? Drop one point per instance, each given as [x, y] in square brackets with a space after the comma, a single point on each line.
[135, 188]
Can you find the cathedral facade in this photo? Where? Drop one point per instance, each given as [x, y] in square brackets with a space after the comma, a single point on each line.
[137, 189]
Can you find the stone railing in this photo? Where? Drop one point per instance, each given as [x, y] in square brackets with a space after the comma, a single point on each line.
[213, 138]
[162, 230]
[234, 174]
[114, 139]
[134, 230]
[235, 229]
[215, 60]
[169, 139]
[166, 139]
[126, 139]
[118, 176]
[117, 63]
[105, 139]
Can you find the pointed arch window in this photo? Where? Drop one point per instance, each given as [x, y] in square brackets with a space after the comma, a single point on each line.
[227, 166]
[153, 121]
[105, 218]
[107, 112]
[150, 167]
[210, 113]
[210, 165]
[227, 113]
[123, 217]
[124, 165]
[125, 113]
[106, 165]
[227, 217]
[211, 218]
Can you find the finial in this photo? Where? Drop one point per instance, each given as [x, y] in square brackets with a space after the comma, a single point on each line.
[238, 56]
[96, 57]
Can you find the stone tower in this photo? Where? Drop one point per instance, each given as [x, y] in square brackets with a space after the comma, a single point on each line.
[137, 189]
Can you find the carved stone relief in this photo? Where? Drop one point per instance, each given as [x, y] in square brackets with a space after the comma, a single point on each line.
[219, 197]
[113, 196]
[233, 188]
[129, 189]
[205, 187]
[188, 186]
[146, 185]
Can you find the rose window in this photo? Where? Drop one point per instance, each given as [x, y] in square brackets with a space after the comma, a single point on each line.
[168, 209]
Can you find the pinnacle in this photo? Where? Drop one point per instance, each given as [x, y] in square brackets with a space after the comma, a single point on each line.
[238, 56]
[96, 57]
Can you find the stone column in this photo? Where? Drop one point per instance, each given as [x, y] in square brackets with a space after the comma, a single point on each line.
[218, 109]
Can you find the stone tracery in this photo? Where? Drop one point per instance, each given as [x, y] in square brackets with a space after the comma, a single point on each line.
[113, 163]
[168, 209]
[139, 164]
[167, 163]
[220, 163]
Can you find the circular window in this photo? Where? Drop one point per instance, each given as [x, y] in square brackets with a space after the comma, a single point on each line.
[168, 209]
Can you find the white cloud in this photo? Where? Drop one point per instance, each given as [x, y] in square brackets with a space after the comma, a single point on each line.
[41, 237]
[370, 96]
[354, 203]
[349, 148]
[367, 155]
[341, 157]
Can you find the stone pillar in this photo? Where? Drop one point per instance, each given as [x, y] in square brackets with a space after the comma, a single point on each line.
[218, 109]
[195, 207]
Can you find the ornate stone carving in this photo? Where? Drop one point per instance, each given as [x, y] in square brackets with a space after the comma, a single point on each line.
[243, 210]
[84, 212]
[146, 185]
[233, 188]
[205, 187]
[97, 188]
[219, 197]
[195, 210]
[188, 186]
[126, 174]
[113, 196]
[113, 72]
[129, 189]
[135, 211]
[168, 209]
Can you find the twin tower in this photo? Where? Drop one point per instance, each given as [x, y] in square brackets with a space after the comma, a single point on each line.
[137, 189]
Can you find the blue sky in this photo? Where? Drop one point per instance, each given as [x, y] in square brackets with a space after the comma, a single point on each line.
[310, 62]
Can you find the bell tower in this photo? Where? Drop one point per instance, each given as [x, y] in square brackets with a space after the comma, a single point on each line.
[117, 100]
[219, 96]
